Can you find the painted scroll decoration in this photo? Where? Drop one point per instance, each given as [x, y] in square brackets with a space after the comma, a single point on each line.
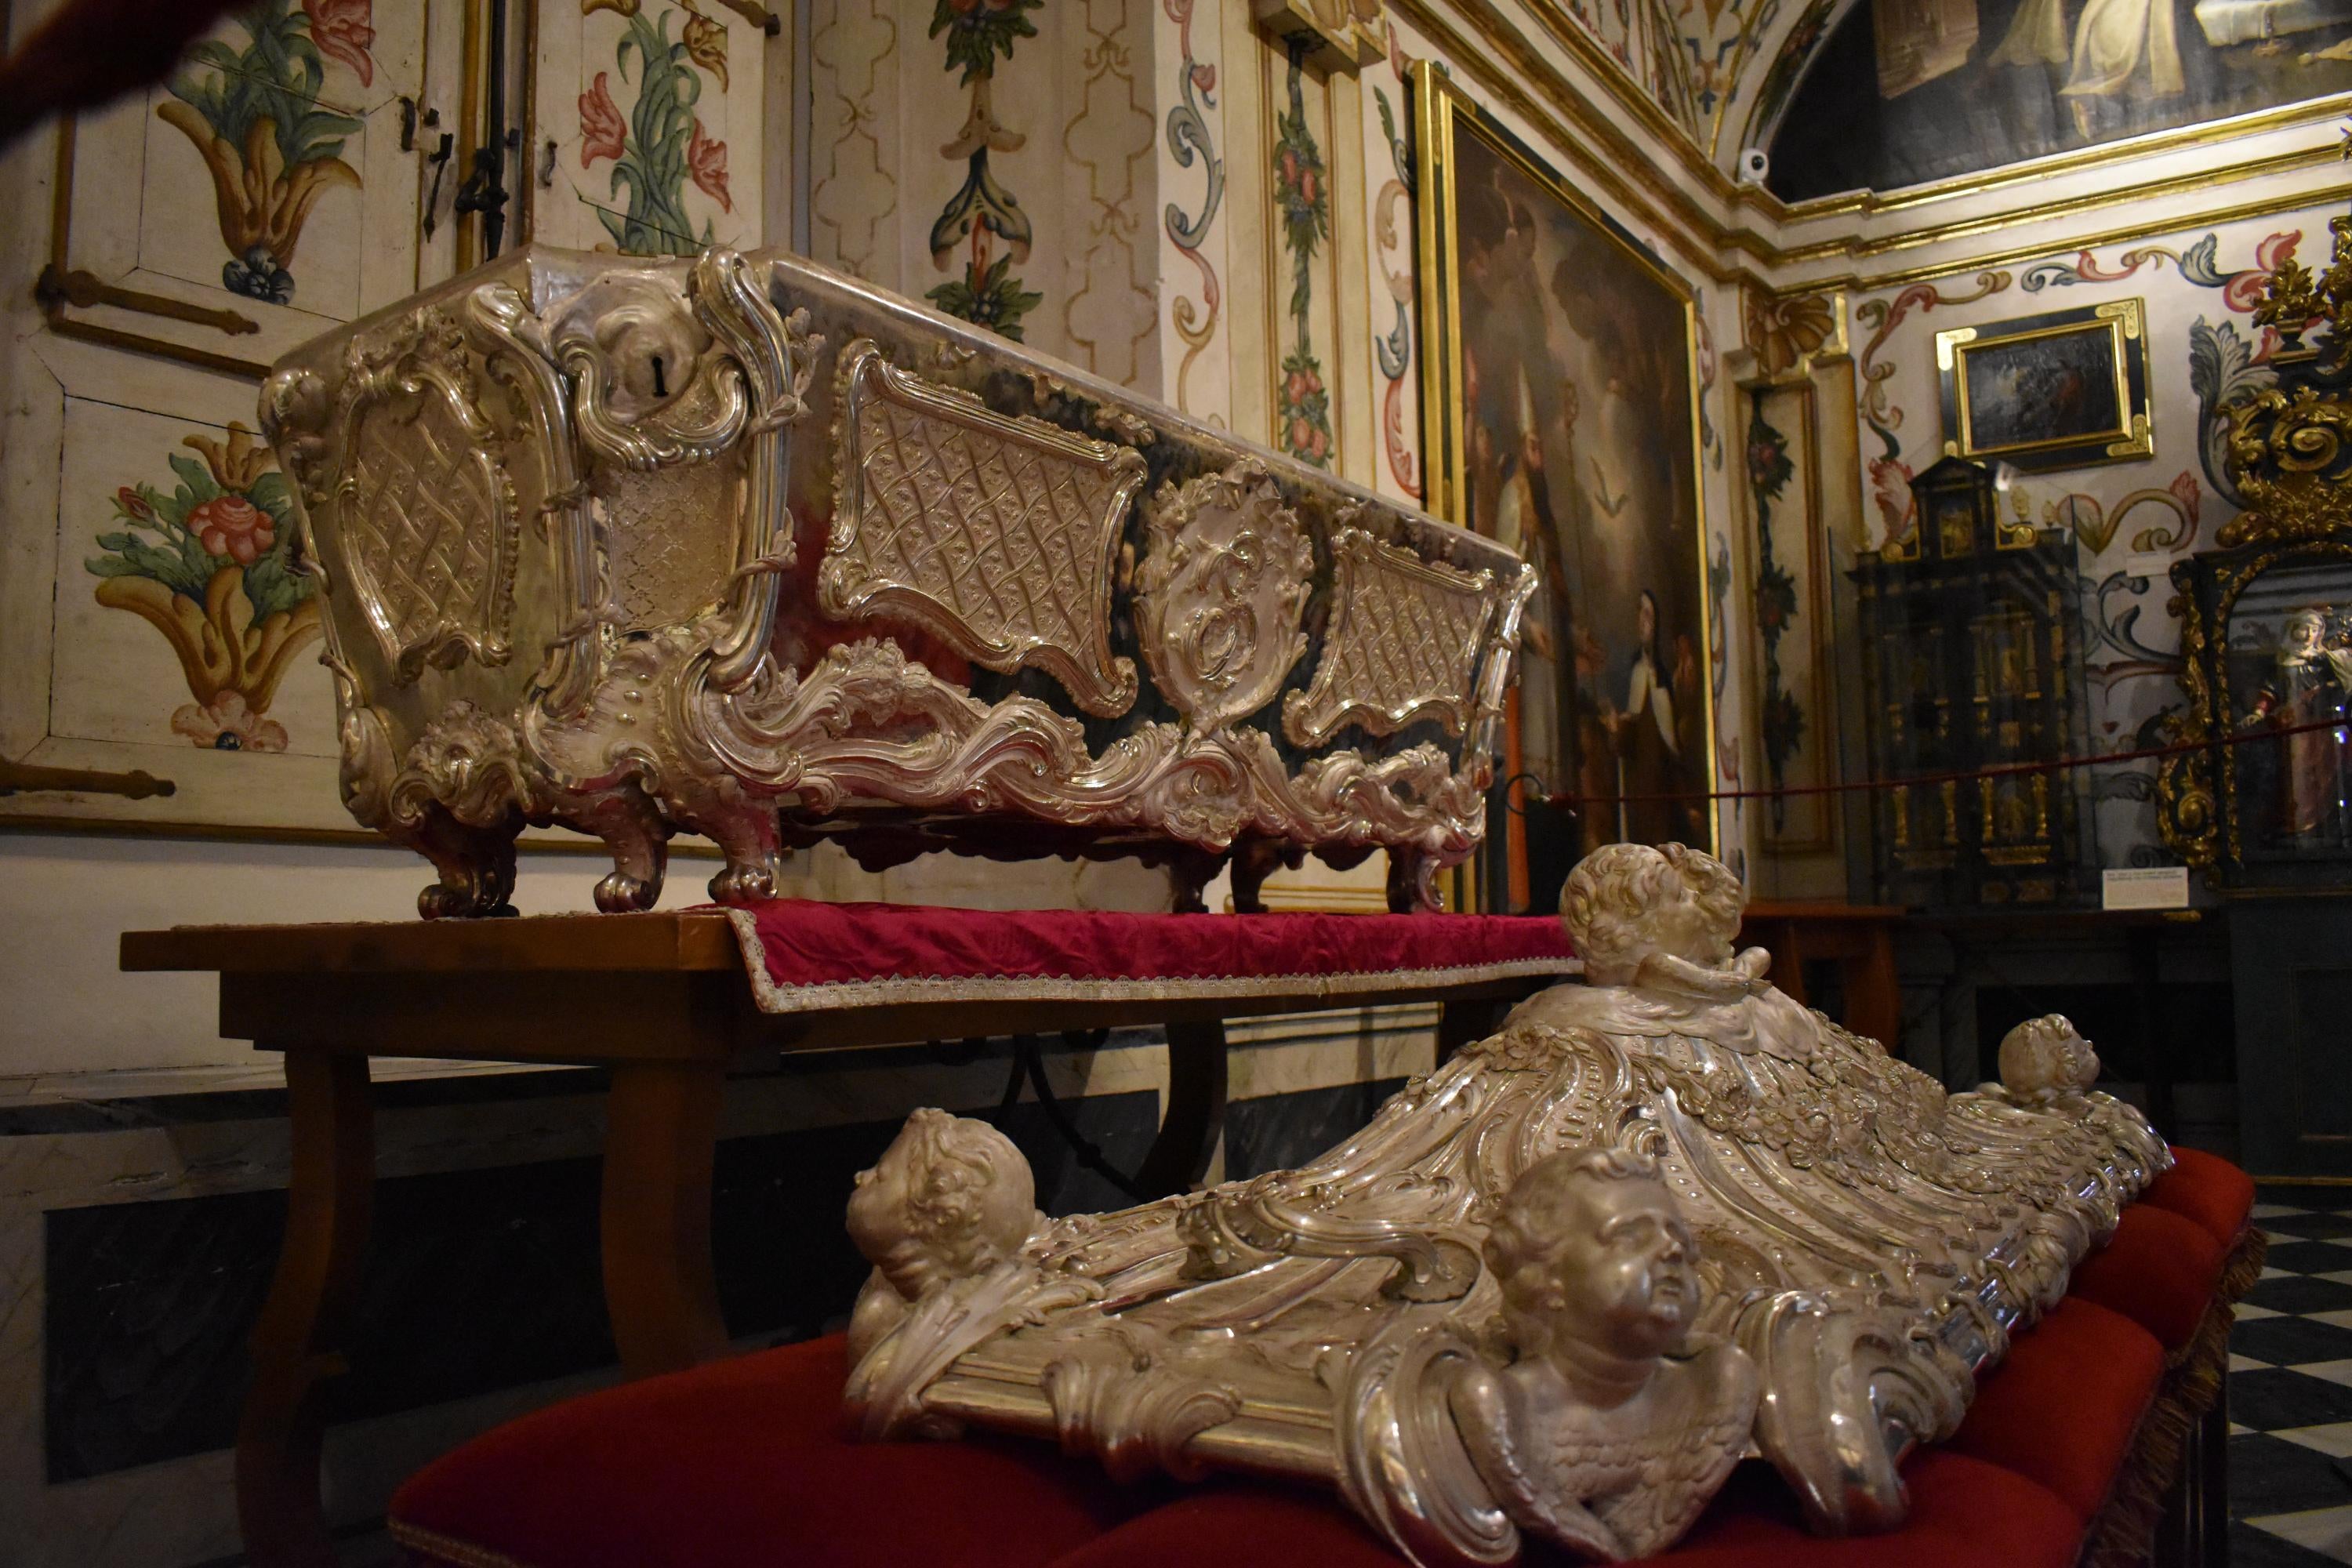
[1404, 644]
[1559, 1287]
[995, 534]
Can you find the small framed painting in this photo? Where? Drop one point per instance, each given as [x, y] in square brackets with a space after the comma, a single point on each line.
[2064, 390]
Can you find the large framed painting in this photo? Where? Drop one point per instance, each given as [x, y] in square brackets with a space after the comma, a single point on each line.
[1898, 93]
[2062, 390]
[1561, 416]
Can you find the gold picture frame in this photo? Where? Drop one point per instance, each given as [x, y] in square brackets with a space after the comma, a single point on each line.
[2065, 389]
[1604, 282]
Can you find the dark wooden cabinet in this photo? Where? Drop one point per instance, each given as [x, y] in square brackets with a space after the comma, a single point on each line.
[1972, 673]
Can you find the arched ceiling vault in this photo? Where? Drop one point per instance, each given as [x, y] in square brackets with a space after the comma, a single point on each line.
[1766, 67]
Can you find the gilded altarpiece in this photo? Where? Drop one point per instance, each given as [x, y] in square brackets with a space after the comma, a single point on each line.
[2264, 802]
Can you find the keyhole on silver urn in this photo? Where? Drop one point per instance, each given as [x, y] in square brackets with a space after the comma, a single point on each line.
[659, 390]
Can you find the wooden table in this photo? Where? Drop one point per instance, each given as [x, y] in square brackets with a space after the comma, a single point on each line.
[664, 1004]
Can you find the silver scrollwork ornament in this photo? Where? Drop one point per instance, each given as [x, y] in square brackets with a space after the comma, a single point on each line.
[1663, 1219]
[709, 573]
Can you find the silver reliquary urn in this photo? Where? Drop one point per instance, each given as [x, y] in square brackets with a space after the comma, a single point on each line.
[739, 548]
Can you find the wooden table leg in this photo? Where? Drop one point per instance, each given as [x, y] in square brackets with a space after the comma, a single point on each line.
[1873, 995]
[295, 1344]
[1180, 1155]
[661, 1134]
[1786, 945]
[1461, 1024]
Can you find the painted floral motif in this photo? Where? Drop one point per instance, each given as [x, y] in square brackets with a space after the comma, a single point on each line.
[254, 117]
[1302, 196]
[979, 34]
[982, 32]
[227, 724]
[1188, 138]
[662, 145]
[706, 42]
[210, 566]
[1780, 719]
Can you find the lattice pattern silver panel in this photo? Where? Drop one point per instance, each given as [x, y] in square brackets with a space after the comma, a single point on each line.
[995, 534]
[1404, 644]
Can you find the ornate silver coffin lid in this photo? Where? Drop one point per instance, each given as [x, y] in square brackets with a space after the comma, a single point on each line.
[1562, 1284]
[739, 547]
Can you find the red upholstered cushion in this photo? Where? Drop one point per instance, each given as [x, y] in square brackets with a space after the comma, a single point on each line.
[1238, 1524]
[742, 1463]
[1965, 1513]
[2206, 1189]
[2061, 1410]
[810, 943]
[2160, 1272]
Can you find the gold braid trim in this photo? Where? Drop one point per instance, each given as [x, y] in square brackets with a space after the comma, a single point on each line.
[2123, 1533]
[447, 1550]
[2244, 1264]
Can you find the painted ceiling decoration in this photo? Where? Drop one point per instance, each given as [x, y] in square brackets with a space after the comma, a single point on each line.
[1878, 95]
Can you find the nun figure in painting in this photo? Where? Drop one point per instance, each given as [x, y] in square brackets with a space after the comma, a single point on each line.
[2118, 44]
[1652, 735]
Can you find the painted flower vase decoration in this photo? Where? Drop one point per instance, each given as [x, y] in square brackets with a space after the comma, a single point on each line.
[210, 566]
[662, 145]
[979, 34]
[271, 148]
[1769, 471]
[1303, 205]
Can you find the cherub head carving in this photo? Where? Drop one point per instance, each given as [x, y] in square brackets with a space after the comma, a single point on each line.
[950, 1197]
[1597, 1268]
[2047, 1055]
[1626, 901]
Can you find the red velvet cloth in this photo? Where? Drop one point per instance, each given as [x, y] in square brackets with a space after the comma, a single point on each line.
[806, 943]
[2062, 1409]
[2205, 1188]
[2160, 1272]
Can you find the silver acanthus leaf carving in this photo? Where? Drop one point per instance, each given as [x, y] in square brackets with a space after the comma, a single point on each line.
[1404, 644]
[1563, 1283]
[997, 534]
[1221, 592]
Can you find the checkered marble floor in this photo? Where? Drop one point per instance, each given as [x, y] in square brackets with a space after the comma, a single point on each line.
[2291, 1388]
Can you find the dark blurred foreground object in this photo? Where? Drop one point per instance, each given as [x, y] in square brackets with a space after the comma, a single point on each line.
[94, 50]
